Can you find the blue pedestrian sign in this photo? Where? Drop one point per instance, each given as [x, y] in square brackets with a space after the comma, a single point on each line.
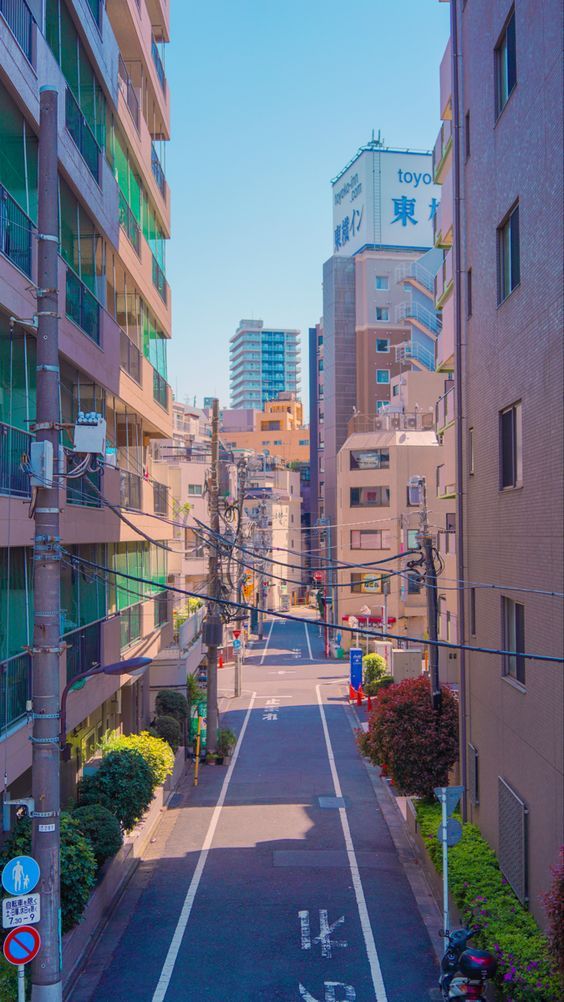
[20, 875]
[236, 645]
[355, 655]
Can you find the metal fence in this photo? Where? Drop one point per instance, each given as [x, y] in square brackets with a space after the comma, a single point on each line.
[15, 232]
[126, 86]
[82, 307]
[130, 624]
[15, 689]
[82, 134]
[13, 445]
[83, 649]
[160, 389]
[130, 357]
[158, 172]
[129, 223]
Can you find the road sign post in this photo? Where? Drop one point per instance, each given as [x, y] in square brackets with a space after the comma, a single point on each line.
[25, 910]
[20, 947]
[449, 833]
[355, 655]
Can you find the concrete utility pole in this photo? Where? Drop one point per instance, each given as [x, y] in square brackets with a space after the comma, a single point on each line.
[419, 483]
[47, 649]
[213, 627]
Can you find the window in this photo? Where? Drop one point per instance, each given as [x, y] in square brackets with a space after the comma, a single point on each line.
[382, 375]
[412, 541]
[467, 134]
[382, 313]
[508, 255]
[473, 611]
[471, 467]
[382, 344]
[370, 539]
[469, 293]
[395, 390]
[304, 441]
[510, 447]
[380, 404]
[382, 282]
[195, 490]
[374, 584]
[505, 65]
[412, 498]
[321, 365]
[513, 638]
[369, 459]
[277, 441]
[370, 497]
[414, 583]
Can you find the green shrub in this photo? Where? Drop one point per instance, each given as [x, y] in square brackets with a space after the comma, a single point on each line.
[554, 905]
[170, 703]
[193, 689]
[101, 828]
[8, 981]
[374, 674]
[123, 784]
[525, 970]
[412, 743]
[156, 752]
[78, 865]
[226, 741]
[168, 729]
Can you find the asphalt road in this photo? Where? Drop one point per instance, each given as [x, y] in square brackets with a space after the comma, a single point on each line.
[277, 879]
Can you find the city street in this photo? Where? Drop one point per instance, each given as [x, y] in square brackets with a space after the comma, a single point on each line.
[278, 878]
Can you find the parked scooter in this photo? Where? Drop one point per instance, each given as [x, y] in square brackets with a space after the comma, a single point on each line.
[475, 966]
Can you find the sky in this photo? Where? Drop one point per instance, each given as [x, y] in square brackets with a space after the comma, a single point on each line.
[270, 99]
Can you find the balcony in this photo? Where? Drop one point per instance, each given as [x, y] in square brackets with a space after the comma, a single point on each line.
[420, 357]
[15, 690]
[368, 423]
[19, 19]
[158, 64]
[445, 342]
[441, 151]
[416, 275]
[82, 491]
[427, 321]
[160, 498]
[15, 232]
[130, 357]
[444, 280]
[444, 408]
[130, 624]
[443, 218]
[445, 489]
[129, 224]
[445, 76]
[130, 490]
[83, 650]
[82, 307]
[161, 609]
[158, 172]
[13, 445]
[82, 134]
[125, 85]
[159, 280]
[160, 390]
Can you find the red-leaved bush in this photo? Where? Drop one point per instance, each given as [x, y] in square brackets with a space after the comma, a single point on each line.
[554, 905]
[414, 745]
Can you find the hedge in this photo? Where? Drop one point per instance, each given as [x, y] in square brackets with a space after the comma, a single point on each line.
[156, 752]
[168, 729]
[101, 828]
[123, 784]
[526, 972]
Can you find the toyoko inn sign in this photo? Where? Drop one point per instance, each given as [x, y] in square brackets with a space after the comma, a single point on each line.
[384, 198]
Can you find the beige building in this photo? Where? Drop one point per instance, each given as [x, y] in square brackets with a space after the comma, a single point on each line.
[278, 430]
[273, 529]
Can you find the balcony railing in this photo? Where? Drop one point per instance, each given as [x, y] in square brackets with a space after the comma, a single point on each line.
[15, 689]
[82, 491]
[368, 423]
[441, 148]
[130, 624]
[160, 389]
[83, 649]
[158, 172]
[417, 353]
[19, 19]
[130, 357]
[444, 408]
[418, 273]
[159, 280]
[82, 307]
[82, 134]
[158, 64]
[129, 224]
[13, 445]
[160, 499]
[130, 490]
[420, 316]
[15, 232]
[161, 608]
[126, 86]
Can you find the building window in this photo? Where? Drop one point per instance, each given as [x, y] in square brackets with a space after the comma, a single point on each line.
[382, 375]
[370, 539]
[370, 497]
[508, 255]
[277, 441]
[369, 459]
[412, 541]
[195, 490]
[469, 293]
[382, 283]
[380, 404]
[505, 65]
[413, 583]
[467, 134]
[510, 447]
[382, 313]
[382, 344]
[513, 638]
[471, 466]
[395, 390]
[473, 611]
[304, 441]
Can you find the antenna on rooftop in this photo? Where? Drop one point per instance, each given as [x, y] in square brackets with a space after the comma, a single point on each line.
[376, 141]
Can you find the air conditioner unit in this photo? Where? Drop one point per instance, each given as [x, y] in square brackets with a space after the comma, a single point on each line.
[427, 422]
[412, 422]
[396, 422]
[378, 424]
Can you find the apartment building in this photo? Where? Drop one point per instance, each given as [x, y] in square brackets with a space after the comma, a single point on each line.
[263, 362]
[273, 528]
[507, 149]
[277, 430]
[106, 62]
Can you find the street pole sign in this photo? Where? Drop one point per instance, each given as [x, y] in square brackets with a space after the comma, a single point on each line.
[20, 874]
[236, 645]
[449, 833]
[25, 910]
[355, 655]
[453, 832]
[22, 945]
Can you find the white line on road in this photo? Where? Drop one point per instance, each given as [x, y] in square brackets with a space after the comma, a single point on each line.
[308, 642]
[267, 642]
[373, 960]
[168, 966]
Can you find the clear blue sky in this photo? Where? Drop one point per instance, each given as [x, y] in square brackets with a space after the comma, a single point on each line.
[270, 99]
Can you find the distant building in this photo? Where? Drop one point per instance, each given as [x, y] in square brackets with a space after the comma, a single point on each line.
[278, 430]
[262, 363]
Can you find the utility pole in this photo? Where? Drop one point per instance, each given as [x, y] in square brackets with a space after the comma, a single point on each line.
[262, 527]
[213, 627]
[46, 650]
[419, 484]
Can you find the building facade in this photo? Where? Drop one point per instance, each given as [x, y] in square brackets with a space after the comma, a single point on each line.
[509, 377]
[106, 62]
[278, 430]
[263, 362]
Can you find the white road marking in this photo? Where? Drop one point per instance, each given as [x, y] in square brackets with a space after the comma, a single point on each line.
[272, 702]
[325, 930]
[170, 961]
[270, 715]
[267, 642]
[308, 642]
[375, 970]
[304, 930]
[330, 992]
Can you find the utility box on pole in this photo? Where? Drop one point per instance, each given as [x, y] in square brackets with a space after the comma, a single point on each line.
[406, 664]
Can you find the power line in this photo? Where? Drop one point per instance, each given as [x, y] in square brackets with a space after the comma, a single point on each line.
[347, 629]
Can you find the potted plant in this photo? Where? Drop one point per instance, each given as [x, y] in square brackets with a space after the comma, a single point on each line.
[226, 741]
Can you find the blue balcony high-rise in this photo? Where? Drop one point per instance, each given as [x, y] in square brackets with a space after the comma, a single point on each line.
[262, 363]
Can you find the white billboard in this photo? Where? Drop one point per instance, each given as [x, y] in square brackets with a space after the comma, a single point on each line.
[384, 198]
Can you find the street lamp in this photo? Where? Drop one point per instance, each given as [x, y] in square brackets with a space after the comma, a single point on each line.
[134, 666]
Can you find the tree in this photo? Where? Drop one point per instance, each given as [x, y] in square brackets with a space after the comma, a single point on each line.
[170, 703]
[123, 784]
[101, 828]
[415, 745]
